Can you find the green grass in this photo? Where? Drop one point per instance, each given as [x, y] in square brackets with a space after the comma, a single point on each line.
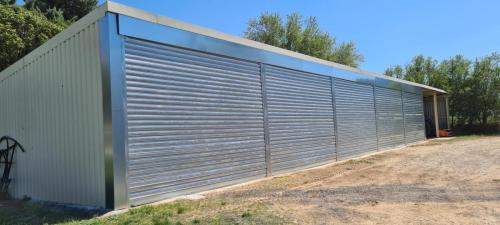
[23, 212]
[359, 161]
[206, 211]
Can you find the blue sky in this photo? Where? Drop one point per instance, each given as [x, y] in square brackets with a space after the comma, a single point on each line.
[387, 32]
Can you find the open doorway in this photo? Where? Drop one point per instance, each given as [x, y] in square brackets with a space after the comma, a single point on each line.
[430, 117]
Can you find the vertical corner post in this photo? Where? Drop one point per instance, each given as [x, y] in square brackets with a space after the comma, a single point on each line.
[114, 116]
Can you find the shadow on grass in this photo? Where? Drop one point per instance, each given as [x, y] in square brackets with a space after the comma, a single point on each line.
[25, 212]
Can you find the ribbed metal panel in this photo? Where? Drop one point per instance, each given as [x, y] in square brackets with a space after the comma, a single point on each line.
[429, 116]
[414, 117]
[443, 118]
[300, 113]
[53, 107]
[355, 109]
[195, 121]
[390, 126]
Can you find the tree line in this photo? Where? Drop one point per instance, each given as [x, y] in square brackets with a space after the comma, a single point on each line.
[302, 35]
[25, 27]
[473, 86]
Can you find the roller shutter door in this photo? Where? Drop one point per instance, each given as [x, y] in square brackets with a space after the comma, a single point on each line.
[355, 119]
[195, 121]
[414, 117]
[390, 126]
[300, 115]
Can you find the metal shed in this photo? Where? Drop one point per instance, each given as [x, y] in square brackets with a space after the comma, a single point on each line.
[125, 107]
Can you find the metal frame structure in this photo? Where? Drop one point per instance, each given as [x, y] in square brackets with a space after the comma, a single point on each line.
[117, 22]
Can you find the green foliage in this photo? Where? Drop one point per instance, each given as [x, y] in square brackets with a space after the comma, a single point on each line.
[24, 29]
[7, 2]
[301, 35]
[473, 86]
[21, 31]
[395, 71]
[70, 10]
[484, 88]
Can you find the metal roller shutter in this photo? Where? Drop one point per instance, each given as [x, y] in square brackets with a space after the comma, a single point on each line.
[300, 114]
[195, 121]
[390, 126]
[356, 125]
[414, 117]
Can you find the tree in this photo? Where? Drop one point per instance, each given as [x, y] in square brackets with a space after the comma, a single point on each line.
[21, 31]
[416, 70]
[395, 71]
[301, 35]
[268, 29]
[457, 71]
[473, 87]
[346, 53]
[71, 10]
[484, 88]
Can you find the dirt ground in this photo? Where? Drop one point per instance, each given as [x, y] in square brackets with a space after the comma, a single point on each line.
[446, 181]
[438, 182]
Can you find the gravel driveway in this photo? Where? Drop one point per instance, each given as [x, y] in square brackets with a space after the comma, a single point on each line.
[454, 181]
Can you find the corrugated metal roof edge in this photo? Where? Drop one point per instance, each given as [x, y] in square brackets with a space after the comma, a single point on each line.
[143, 15]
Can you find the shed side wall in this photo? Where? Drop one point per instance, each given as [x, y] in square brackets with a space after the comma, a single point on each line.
[413, 107]
[53, 106]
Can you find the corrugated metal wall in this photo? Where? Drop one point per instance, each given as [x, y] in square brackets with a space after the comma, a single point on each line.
[441, 103]
[195, 121]
[356, 122]
[429, 117]
[53, 107]
[390, 125]
[301, 124]
[414, 117]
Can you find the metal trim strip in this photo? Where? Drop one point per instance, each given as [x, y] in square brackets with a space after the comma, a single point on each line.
[335, 122]
[404, 119]
[376, 122]
[114, 117]
[267, 139]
